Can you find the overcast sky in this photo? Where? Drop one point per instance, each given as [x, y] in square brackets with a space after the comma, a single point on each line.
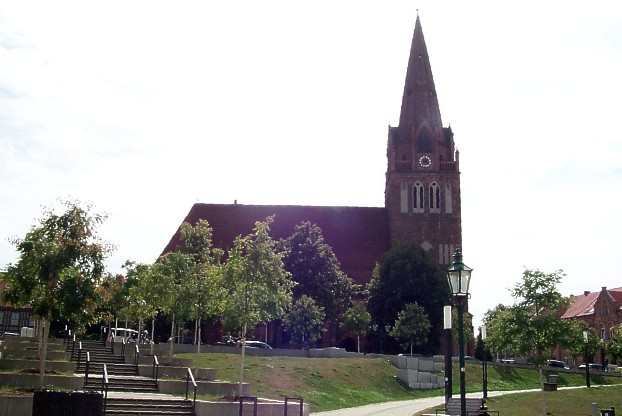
[144, 108]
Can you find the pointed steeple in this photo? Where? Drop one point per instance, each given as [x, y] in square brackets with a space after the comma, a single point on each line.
[419, 102]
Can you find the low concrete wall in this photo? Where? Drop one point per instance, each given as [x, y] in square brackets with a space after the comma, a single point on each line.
[16, 405]
[61, 366]
[264, 408]
[207, 374]
[218, 388]
[162, 350]
[419, 372]
[32, 381]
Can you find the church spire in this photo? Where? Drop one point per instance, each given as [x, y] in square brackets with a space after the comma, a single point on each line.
[419, 102]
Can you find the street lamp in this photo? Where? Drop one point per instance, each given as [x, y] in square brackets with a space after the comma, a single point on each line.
[459, 277]
[448, 352]
[587, 364]
[482, 330]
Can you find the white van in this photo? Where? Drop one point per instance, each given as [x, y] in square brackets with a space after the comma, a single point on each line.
[118, 334]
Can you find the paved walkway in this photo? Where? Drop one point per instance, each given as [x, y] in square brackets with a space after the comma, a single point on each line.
[410, 407]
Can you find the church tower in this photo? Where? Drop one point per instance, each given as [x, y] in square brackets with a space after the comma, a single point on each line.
[422, 193]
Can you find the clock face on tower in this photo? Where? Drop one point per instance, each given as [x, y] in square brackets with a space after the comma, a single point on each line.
[424, 161]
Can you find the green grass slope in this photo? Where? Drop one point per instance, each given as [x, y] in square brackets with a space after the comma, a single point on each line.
[346, 382]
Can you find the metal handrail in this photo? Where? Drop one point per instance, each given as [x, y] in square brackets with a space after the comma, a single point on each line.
[136, 354]
[300, 399]
[156, 368]
[86, 369]
[79, 353]
[123, 347]
[190, 377]
[105, 385]
[249, 399]
[73, 345]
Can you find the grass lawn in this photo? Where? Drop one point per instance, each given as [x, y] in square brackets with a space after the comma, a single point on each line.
[512, 378]
[346, 382]
[574, 402]
[324, 383]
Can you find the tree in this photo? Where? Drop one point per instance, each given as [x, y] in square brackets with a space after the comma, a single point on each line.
[305, 322]
[501, 332]
[574, 341]
[259, 289]
[110, 297]
[172, 270]
[406, 274]
[204, 287]
[532, 325]
[59, 256]
[316, 270]
[357, 320]
[412, 326]
[614, 346]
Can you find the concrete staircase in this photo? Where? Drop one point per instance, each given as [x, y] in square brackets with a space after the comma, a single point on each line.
[138, 394]
[149, 407]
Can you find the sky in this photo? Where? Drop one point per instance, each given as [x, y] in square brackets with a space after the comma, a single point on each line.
[143, 108]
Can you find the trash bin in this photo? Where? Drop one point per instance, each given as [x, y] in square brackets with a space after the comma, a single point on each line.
[553, 378]
[608, 412]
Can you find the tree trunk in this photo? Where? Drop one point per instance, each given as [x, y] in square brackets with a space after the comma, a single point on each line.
[172, 345]
[358, 344]
[266, 337]
[44, 352]
[199, 335]
[152, 334]
[242, 360]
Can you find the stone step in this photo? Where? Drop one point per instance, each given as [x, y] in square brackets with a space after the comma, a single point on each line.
[124, 412]
[178, 408]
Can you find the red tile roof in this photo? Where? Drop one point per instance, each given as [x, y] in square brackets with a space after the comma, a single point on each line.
[616, 293]
[359, 236]
[581, 305]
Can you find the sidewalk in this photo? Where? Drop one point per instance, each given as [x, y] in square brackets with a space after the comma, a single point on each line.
[409, 407]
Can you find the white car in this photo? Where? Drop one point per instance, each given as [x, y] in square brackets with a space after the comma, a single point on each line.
[119, 334]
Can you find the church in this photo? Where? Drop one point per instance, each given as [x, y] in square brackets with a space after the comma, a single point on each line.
[422, 191]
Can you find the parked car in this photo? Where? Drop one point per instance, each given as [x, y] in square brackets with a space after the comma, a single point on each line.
[257, 344]
[507, 360]
[593, 366]
[557, 364]
[118, 334]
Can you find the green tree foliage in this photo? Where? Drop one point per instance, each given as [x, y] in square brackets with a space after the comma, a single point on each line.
[357, 320]
[574, 340]
[172, 270]
[316, 270]
[204, 286]
[532, 325]
[305, 321]
[61, 260]
[614, 345]
[412, 326]
[259, 289]
[501, 338]
[406, 275]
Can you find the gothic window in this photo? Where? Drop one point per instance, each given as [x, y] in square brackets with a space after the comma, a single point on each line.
[435, 198]
[448, 199]
[418, 197]
[404, 198]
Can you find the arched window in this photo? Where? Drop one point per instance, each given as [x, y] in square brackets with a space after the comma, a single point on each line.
[435, 198]
[418, 197]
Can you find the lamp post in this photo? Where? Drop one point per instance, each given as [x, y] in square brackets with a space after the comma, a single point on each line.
[587, 364]
[448, 352]
[459, 277]
[482, 330]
